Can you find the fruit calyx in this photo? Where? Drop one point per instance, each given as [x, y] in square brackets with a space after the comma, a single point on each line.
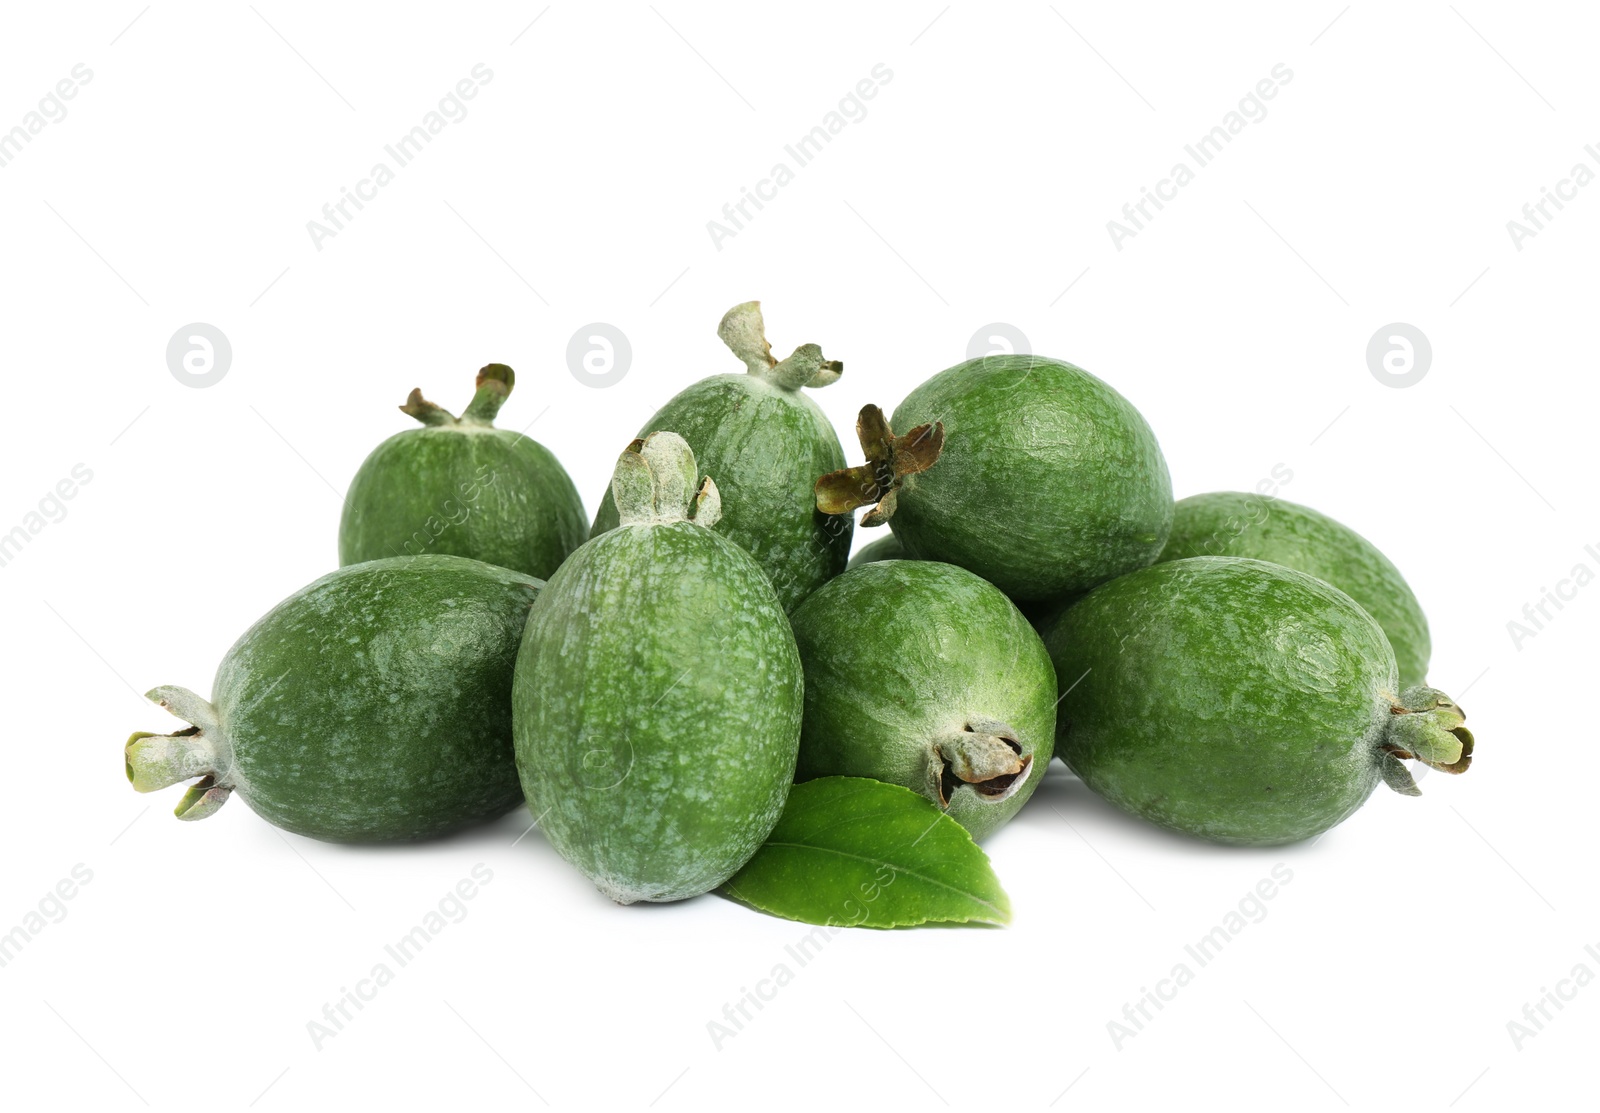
[494, 385]
[1424, 725]
[890, 460]
[985, 755]
[155, 761]
[743, 331]
[655, 483]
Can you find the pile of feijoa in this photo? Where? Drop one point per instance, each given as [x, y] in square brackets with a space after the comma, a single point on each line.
[697, 694]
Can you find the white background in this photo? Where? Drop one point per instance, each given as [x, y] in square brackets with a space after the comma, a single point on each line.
[976, 189]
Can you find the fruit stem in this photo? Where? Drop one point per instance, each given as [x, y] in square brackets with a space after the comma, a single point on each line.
[655, 483]
[425, 411]
[745, 334]
[156, 761]
[1424, 725]
[985, 755]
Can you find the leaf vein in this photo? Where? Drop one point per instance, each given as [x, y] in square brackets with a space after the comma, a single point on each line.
[899, 869]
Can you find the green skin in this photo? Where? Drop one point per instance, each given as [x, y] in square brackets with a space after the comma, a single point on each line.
[765, 445]
[1050, 481]
[1232, 523]
[1238, 700]
[373, 705]
[460, 486]
[888, 547]
[657, 706]
[918, 671]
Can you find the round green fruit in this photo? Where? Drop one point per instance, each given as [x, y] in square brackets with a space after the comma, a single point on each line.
[1240, 701]
[371, 705]
[658, 692]
[461, 487]
[1231, 523]
[765, 443]
[1049, 481]
[921, 674]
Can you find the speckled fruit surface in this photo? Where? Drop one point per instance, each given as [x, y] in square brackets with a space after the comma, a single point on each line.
[658, 694]
[1232, 523]
[765, 443]
[921, 674]
[1240, 701]
[372, 705]
[1050, 481]
[461, 487]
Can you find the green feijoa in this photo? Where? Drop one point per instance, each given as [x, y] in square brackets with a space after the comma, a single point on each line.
[1232, 523]
[1050, 481]
[658, 692]
[923, 675]
[853, 852]
[765, 443]
[461, 487]
[887, 547]
[1240, 701]
[1041, 615]
[371, 705]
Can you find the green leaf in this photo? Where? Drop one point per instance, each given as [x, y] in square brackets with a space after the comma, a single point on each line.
[853, 852]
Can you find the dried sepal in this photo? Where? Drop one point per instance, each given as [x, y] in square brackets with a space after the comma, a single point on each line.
[1392, 765]
[492, 387]
[890, 460]
[744, 332]
[1428, 726]
[707, 510]
[654, 481]
[427, 412]
[985, 756]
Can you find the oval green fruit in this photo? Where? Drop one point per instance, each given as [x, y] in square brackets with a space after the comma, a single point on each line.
[371, 705]
[1240, 701]
[765, 443]
[1232, 523]
[1049, 481]
[658, 692]
[923, 675]
[461, 487]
